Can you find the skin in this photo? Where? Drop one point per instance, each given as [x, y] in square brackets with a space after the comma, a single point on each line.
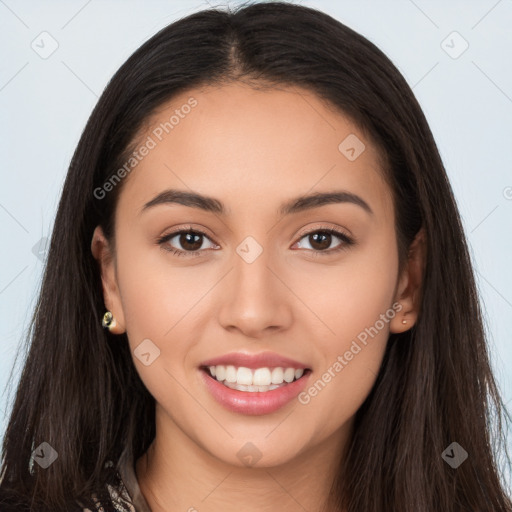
[253, 150]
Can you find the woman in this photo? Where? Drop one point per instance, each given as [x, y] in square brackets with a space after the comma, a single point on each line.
[258, 293]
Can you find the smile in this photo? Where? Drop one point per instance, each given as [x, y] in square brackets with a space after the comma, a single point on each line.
[265, 384]
[254, 380]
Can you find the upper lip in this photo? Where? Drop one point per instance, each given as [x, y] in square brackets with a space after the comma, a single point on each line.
[253, 361]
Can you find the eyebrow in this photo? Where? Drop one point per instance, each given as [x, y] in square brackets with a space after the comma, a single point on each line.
[296, 205]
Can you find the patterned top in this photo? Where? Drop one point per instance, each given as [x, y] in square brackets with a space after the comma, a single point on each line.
[120, 499]
[127, 496]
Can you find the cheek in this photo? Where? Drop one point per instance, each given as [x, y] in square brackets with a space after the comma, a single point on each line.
[156, 293]
[357, 307]
[158, 301]
[351, 294]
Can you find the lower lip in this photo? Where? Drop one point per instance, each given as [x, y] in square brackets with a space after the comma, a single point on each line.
[254, 403]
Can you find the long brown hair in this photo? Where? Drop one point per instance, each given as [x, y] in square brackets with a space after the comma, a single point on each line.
[79, 390]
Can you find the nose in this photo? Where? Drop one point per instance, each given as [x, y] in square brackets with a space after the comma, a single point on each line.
[255, 299]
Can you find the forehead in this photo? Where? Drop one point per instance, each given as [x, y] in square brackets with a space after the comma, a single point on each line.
[252, 148]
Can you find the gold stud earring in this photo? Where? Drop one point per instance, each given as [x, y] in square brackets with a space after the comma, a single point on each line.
[108, 321]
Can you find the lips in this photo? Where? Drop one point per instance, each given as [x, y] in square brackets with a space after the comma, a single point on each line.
[263, 359]
[254, 403]
[236, 394]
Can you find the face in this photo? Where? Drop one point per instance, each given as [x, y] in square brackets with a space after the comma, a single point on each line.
[253, 278]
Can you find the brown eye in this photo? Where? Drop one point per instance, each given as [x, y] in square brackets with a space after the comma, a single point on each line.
[190, 241]
[320, 240]
[186, 242]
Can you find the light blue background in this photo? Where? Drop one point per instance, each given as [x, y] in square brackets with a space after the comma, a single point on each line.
[44, 105]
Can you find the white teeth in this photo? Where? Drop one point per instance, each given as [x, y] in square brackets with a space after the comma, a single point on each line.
[230, 373]
[220, 372]
[246, 379]
[261, 389]
[262, 377]
[289, 374]
[277, 376]
[244, 376]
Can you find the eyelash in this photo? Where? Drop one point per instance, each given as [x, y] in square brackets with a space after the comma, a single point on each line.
[346, 241]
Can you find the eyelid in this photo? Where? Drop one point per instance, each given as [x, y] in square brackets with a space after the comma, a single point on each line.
[325, 226]
[346, 240]
[162, 239]
[186, 228]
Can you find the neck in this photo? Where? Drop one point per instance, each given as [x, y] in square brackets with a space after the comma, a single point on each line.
[177, 474]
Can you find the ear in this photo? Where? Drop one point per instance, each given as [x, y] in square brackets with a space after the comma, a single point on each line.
[103, 253]
[408, 292]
